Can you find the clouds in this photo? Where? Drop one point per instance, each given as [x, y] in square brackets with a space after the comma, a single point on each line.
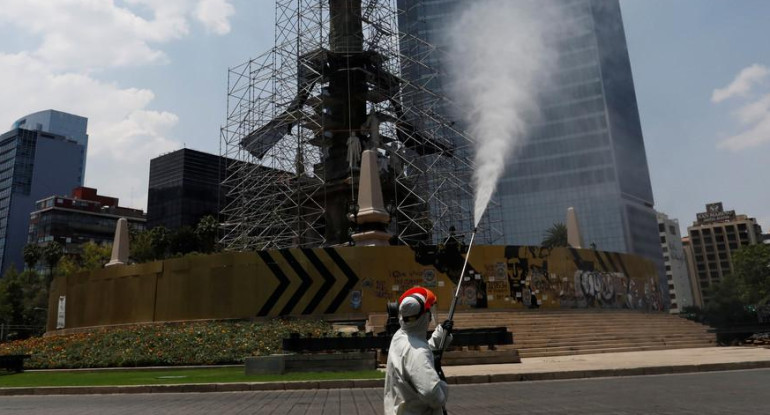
[89, 34]
[740, 87]
[76, 40]
[215, 14]
[753, 116]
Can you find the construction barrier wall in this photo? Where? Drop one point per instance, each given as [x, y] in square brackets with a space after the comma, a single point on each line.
[349, 281]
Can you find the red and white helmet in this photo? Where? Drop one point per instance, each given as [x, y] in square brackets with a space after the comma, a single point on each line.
[415, 302]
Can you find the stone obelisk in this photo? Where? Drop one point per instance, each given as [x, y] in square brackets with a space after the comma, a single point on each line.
[120, 244]
[372, 218]
[574, 239]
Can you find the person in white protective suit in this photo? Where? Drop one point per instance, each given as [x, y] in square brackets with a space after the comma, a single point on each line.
[412, 382]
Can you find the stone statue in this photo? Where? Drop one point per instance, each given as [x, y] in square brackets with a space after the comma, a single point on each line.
[354, 151]
[373, 125]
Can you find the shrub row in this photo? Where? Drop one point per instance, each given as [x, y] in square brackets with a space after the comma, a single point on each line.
[172, 344]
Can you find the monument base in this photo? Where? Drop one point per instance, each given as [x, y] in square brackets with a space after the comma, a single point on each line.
[372, 238]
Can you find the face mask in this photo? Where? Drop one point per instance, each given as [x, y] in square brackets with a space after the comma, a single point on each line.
[433, 318]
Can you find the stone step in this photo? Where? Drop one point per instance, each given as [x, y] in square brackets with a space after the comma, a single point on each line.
[549, 352]
[612, 344]
[606, 342]
[554, 333]
[564, 325]
[597, 330]
[571, 321]
[480, 357]
[627, 333]
[522, 339]
[634, 335]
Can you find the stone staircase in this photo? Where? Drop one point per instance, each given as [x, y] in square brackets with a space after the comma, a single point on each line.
[541, 333]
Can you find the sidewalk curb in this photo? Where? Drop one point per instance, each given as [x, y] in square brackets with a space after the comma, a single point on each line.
[377, 383]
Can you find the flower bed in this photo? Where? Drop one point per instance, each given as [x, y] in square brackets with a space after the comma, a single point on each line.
[177, 344]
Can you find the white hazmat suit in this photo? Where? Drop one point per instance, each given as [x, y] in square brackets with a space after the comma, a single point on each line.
[412, 386]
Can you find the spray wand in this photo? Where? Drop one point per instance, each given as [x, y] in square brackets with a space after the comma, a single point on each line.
[444, 334]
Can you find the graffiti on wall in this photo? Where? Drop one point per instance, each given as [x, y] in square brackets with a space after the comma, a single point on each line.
[596, 282]
[527, 278]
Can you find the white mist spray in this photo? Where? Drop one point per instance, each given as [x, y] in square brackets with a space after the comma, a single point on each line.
[498, 59]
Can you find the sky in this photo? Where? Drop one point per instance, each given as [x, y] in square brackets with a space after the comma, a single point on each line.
[151, 77]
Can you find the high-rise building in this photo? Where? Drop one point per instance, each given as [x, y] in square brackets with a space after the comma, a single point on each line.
[84, 216]
[74, 127]
[587, 151]
[35, 163]
[675, 261]
[184, 187]
[714, 237]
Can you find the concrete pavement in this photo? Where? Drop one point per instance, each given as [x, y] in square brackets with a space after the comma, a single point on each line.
[709, 393]
[549, 368]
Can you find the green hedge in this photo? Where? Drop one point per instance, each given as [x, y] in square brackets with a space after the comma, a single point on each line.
[193, 343]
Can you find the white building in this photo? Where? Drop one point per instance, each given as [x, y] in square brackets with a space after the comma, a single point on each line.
[679, 287]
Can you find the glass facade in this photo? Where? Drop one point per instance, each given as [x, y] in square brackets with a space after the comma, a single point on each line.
[73, 127]
[587, 150]
[34, 164]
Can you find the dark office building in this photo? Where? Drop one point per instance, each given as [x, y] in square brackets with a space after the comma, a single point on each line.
[184, 187]
[587, 150]
[82, 217]
[48, 158]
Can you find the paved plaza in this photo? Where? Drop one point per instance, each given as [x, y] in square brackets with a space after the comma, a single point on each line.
[729, 392]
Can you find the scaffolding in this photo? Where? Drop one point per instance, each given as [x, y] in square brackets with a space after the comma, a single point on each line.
[341, 78]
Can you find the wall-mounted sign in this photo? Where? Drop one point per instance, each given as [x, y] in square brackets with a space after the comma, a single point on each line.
[715, 213]
[60, 314]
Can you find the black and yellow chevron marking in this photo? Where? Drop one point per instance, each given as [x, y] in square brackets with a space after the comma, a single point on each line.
[327, 285]
[283, 283]
[307, 280]
[352, 280]
[305, 284]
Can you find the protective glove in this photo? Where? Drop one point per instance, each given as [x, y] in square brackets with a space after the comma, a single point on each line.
[447, 325]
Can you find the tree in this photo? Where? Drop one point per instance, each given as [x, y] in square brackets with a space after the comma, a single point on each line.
[207, 234]
[733, 300]
[23, 302]
[160, 241]
[555, 236]
[52, 253]
[725, 306]
[11, 297]
[32, 254]
[95, 255]
[183, 241]
[751, 267]
[140, 247]
[67, 266]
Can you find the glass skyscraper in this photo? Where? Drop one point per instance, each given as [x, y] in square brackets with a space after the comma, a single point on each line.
[42, 155]
[587, 151]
